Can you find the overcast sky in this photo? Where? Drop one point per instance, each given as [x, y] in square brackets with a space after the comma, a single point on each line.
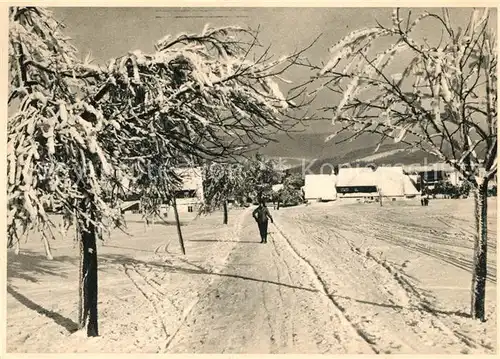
[112, 32]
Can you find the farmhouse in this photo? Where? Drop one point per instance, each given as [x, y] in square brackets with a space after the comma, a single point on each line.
[360, 183]
[392, 182]
[357, 182]
[320, 187]
[370, 183]
[188, 197]
[430, 175]
[191, 195]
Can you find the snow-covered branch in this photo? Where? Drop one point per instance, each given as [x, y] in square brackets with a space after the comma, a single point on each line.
[428, 101]
[76, 126]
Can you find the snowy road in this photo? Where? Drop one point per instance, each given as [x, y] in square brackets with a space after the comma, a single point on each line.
[315, 293]
[267, 300]
[332, 279]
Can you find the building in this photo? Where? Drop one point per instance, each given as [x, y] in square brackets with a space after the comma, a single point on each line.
[455, 178]
[357, 183]
[190, 196]
[277, 187]
[320, 187]
[370, 183]
[430, 175]
[393, 182]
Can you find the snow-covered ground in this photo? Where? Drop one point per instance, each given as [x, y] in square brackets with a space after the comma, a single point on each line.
[334, 278]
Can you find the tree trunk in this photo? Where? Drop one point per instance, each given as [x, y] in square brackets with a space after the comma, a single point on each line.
[480, 252]
[224, 205]
[46, 245]
[87, 311]
[17, 249]
[81, 270]
[177, 221]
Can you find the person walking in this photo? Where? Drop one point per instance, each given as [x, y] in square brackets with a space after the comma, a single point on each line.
[261, 215]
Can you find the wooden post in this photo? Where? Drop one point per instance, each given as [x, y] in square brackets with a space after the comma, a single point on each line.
[179, 231]
[224, 205]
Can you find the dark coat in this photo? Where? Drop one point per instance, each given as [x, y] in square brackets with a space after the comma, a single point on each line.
[261, 214]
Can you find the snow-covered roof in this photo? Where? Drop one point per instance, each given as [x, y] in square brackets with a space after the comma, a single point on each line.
[356, 176]
[191, 177]
[320, 186]
[391, 181]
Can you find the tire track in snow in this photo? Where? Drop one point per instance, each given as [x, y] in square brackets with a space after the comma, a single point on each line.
[424, 308]
[418, 301]
[268, 320]
[391, 287]
[425, 239]
[150, 300]
[321, 285]
[235, 231]
[302, 307]
[454, 258]
[155, 286]
[422, 303]
[283, 329]
[379, 334]
[432, 318]
[430, 237]
[412, 239]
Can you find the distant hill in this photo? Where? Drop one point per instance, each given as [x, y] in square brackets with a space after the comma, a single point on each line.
[300, 149]
[312, 145]
[309, 150]
[357, 158]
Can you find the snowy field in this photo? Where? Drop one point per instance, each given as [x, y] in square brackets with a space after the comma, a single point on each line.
[334, 278]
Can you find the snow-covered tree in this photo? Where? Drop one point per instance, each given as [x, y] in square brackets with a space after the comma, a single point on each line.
[438, 95]
[57, 141]
[221, 183]
[261, 174]
[76, 125]
[291, 192]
